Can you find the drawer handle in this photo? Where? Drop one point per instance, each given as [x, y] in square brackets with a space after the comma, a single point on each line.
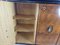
[50, 29]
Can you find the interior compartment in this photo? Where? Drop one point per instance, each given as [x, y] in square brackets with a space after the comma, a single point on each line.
[25, 28]
[25, 20]
[25, 37]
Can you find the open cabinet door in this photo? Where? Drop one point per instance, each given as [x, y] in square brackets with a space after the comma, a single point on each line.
[7, 34]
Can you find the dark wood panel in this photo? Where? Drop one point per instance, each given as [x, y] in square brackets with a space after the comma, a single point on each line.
[54, 17]
[48, 19]
[49, 16]
[46, 39]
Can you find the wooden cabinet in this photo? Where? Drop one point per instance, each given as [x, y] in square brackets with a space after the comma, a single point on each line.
[48, 24]
[29, 23]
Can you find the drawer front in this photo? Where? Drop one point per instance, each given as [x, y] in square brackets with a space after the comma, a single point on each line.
[46, 39]
[49, 18]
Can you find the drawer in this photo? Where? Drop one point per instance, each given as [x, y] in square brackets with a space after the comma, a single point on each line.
[46, 39]
[49, 19]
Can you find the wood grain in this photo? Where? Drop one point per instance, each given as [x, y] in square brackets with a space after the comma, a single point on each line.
[25, 28]
[49, 16]
[27, 38]
[25, 19]
[46, 39]
[25, 8]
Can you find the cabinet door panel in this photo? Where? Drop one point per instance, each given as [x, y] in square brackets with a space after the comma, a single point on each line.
[53, 17]
[49, 17]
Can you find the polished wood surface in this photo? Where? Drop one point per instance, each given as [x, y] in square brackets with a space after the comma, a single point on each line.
[49, 16]
[48, 19]
[46, 39]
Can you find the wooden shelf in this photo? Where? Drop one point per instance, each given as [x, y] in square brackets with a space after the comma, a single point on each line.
[25, 38]
[25, 28]
[25, 17]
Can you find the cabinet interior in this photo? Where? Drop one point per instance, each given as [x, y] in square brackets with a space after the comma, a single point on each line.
[25, 21]
[23, 37]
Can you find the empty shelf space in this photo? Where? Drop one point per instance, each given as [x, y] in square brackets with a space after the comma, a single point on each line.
[25, 38]
[25, 17]
[25, 28]
[25, 21]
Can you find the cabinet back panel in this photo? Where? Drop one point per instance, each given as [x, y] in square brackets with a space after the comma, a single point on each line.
[26, 9]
